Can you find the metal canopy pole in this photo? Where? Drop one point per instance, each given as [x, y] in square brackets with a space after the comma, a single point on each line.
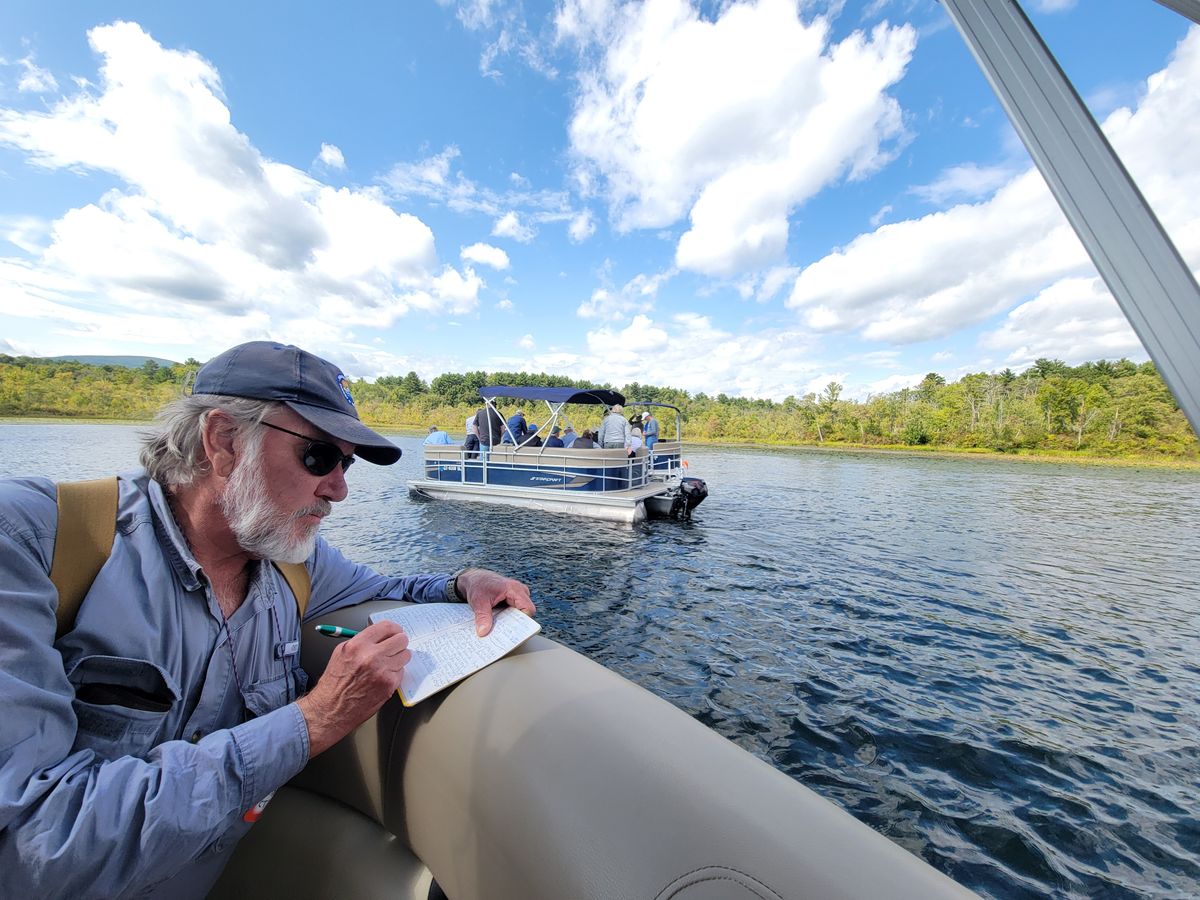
[1147, 276]
[1189, 8]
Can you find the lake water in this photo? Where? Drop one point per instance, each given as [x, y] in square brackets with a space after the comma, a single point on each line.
[995, 664]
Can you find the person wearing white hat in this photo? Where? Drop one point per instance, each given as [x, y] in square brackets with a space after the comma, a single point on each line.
[650, 429]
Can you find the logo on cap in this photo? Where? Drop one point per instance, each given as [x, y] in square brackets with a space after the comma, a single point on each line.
[341, 380]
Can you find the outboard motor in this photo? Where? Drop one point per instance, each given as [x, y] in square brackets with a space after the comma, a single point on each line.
[692, 492]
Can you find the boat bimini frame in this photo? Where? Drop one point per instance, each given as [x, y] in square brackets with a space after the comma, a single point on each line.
[554, 398]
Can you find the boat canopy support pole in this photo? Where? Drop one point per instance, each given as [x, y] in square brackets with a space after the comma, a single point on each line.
[1189, 8]
[1149, 279]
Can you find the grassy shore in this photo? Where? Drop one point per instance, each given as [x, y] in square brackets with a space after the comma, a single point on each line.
[1070, 457]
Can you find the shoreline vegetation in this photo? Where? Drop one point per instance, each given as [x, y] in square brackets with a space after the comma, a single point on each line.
[1098, 413]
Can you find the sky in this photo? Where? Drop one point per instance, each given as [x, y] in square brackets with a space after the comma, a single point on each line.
[750, 198]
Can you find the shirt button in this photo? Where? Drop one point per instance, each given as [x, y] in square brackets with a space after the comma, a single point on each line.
[196, 736]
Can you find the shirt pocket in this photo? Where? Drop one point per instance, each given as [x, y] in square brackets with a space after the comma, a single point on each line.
[268, 694]
[121, 704]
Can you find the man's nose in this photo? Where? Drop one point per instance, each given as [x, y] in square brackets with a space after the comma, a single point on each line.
[333, 486]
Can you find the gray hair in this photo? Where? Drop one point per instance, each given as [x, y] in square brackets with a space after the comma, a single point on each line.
[173, 451]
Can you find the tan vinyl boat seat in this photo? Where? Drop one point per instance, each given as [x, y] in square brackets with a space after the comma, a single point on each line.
[548, 777]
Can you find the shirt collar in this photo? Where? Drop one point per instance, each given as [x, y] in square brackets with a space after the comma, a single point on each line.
[172, 539]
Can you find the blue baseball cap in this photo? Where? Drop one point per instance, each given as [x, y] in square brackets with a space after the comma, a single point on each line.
[310, 386]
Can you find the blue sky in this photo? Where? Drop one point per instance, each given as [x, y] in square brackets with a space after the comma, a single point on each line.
[754, 198]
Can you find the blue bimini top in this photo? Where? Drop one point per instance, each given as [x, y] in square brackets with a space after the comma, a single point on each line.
[554, 394]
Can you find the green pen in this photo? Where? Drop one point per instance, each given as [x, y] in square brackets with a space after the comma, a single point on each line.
[336, 631]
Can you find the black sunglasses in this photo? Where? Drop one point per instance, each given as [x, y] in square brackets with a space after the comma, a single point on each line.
[319, 456]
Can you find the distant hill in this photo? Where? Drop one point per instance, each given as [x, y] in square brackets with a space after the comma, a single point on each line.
[129, 362]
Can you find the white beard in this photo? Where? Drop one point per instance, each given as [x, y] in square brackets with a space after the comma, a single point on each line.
[259, 525]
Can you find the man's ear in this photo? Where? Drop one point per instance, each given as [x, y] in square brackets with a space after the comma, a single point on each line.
[218, 434]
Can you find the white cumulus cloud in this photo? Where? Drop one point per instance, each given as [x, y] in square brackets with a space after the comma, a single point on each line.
[964, 182]
[582, 227]
[636, 296]
[485, 255]
[688, 350]
[331, 157]
[200, 225]
[510, 225]
[34, 79]
[930, 277]
[733, 121]
[1075, 319]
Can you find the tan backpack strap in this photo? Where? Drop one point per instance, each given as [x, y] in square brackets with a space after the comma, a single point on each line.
[297, 577]
[87, 525]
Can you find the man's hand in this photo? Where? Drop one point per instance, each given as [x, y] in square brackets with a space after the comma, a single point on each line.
[485, 589]
[362, 673]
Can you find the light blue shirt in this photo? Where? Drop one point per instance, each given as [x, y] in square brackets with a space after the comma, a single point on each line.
[438, 437]
[650, 431]
[102, 799]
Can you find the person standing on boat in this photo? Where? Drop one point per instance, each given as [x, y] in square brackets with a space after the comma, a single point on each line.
[614, 430]
[437, 436]
[140, 745]
[490, 427]
[471, 444]
[650, 429]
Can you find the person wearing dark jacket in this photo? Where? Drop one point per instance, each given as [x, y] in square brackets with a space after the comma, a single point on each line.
[490, 427]
[554, 440]
[517, 428]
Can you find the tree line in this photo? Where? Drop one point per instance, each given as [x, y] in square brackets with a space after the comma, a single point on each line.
[1101, 408]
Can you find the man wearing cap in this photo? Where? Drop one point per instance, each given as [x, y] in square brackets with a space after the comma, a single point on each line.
[136, 748]
[437, 436]
[614, 430]
[555, 439]
[569, 436]
[650, 429]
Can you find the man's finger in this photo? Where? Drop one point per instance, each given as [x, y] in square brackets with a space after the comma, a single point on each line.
[379, 632]
[483, 620]
[522, 602]
[516, 595]
[395, 644]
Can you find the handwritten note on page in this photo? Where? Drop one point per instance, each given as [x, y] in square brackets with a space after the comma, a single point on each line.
[445, 647]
